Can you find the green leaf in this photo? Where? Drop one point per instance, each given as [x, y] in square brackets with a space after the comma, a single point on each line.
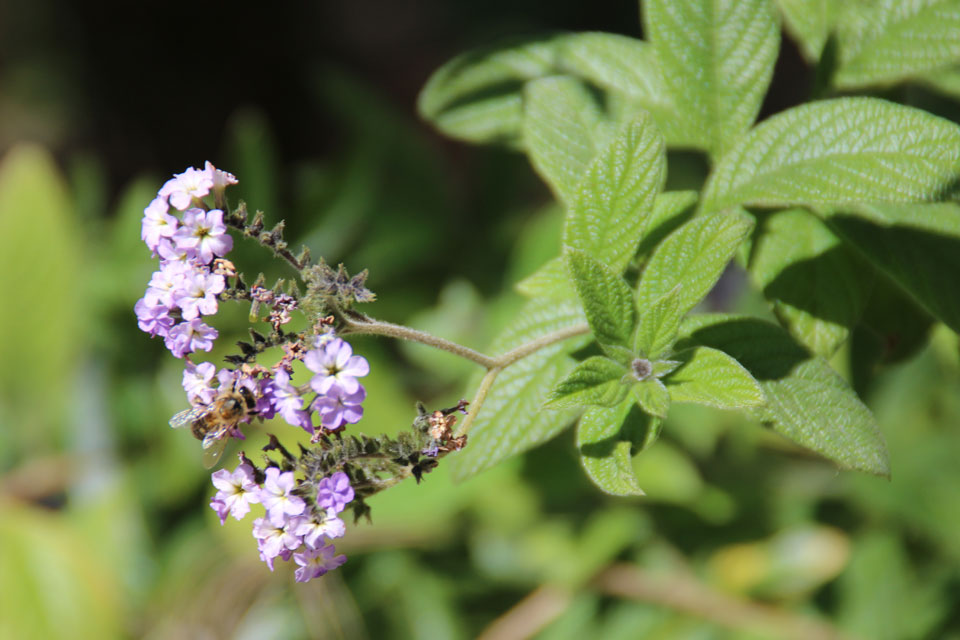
[916, 245]
[693, 257]
[807, 401]
[658, 325]
[563, 128]
[653, 397]
[628, 69]
[809, 22]
[717, 58]
[891, 40]
[512, 419]
[836, 152]
[606, 298]
[595, 381]
[710, 377]
[670, 210]
[607, 438]
[616, 196]
[43, 322]
[478, 96]
[817, 287]
[552, 280]
[946, 81]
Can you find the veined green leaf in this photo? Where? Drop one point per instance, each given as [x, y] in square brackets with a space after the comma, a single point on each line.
[710, 377]
[595, 381]
[653, 397]
[628, 69]
[551, 280]
[717, 58]
[807, 401]
[616, 196]
[694, 256]
[836, 152]
[607, 438]
[817, 287]
[670, 210]
[809, 22]
[916, 245]
[891, 40]
[606, 298]
[563, 129]
[477, 96]
[512, 419]
[658, 325]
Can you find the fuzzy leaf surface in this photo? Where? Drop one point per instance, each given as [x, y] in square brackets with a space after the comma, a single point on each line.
[710, 377]
[717, 58]
[606, 298]
[563, 129]
[512, 420]
[809, 22]
[653, 397]
[693, 257]
[892, 40]
[916, 245]
[818, 288]
[616, 196]
[607, 438]
[595, 381]
[658, 325]
[840, 151]
[807, 402]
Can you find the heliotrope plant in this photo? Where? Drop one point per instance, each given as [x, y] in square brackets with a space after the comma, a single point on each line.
[842, 211]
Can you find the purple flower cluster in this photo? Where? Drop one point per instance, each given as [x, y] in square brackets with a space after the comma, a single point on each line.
[289, 529]
[186, 286]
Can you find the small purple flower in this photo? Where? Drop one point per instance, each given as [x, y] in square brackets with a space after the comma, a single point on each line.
[277, 497]
[316, 562]
[338, 408]
[203, 235]
[197, 293]
[237, 491]
[288, 403]
[276, 538]
[157, 223]
[334, 492]
[329, 525]
[165, 282]
[196, 382]
[335, 364]
[184, 187]
[221, 179]
[190, 336]
[153, 315]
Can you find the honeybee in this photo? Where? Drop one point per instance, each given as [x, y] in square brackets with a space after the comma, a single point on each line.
[211, 423]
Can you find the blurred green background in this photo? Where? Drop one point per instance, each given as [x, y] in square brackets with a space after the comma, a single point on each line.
[104, 526]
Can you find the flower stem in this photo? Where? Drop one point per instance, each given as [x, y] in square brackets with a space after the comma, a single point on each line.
[477, 402]
[379, 328]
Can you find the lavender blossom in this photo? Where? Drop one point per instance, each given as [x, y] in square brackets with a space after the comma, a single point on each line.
[287, 402]
[314, 531]
[153, 316]
[157, 223]
[190, 336]
[203, 235]
[338, 408]
[334, 492]
[183, 188]
[316, 562]
[196, 382]
[197, 293]
[335, 364]
[237, 491]
[277, 495]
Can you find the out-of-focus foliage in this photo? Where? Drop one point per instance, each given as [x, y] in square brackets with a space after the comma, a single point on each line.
[104, 525]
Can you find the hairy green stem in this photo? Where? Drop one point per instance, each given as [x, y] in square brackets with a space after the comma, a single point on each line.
[379, 328]
[477, 402]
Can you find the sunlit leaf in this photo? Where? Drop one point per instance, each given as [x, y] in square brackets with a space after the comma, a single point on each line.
[809, 22]
[563, 128]
[693, 257]
[606, 438]
[807, 401]
[659, 324]
[890, 40]
[710, 377]
[614, 200]
[717, 58]
[839, 151]
[595, 381]
[606, 298]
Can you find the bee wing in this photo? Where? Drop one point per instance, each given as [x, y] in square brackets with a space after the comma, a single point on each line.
[188, 416]
[213, 445]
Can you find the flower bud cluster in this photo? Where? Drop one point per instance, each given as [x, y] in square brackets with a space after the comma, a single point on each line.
[300, 521]
[185, 287]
